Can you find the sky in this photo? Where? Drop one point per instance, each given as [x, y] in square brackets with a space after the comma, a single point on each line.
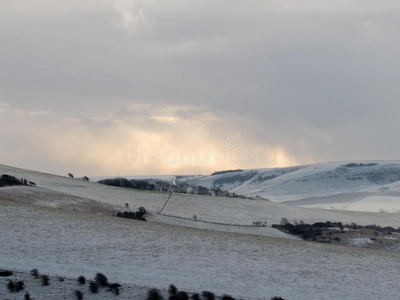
[149, 87]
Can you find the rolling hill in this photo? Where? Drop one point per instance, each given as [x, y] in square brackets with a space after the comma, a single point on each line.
[359, 186]
[67, 227]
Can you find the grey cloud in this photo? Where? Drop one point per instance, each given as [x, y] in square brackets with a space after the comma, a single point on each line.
[319, 79]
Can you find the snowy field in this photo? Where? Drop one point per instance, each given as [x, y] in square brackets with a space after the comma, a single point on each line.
[65, 227]
[62, 242]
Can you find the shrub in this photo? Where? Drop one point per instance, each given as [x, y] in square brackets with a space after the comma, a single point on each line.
[11, 286]
[114, 287]
[93, 287]
[19, 286]
[208, 295]
[142, 210]
[35, 273]
[15, 286]
[101, 279]
[183, 295]
[277, 298]
[27, 296]
[81, 280]
[227, 297]
[78, 294]
[116, 291]
[195, 296]
[154, 294]
[5, 273]
[172, 290]
[61, 279]
[45, 280]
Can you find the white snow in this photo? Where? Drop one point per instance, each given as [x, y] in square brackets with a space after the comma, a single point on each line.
[61, 228]
[149, 254]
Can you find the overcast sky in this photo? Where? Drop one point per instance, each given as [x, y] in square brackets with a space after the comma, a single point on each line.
[131, 87]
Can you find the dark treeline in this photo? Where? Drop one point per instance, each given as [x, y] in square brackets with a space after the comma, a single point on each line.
[226, 171]
[356, 165]
[312, 231]
[163, 186]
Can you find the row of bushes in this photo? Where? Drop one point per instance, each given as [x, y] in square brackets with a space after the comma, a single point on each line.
[101, 281]
[8, 180]
[175, 294]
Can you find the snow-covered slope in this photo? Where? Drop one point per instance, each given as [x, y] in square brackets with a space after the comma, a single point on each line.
[65, 243]
[62, 192]
[356, 185]
[359, 185]
[63, 227]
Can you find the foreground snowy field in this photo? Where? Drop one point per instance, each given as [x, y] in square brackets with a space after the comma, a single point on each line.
[64, 242]
[66, 227]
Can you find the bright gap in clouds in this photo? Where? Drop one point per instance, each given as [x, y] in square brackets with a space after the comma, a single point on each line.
[143, 139]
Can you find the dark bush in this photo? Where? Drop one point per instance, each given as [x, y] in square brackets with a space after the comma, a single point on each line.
[138, 215]
[142, 210]
[93, 287]
[172, 290]
[5, 273]
[277, 298]
[27, 296]
[35, 273]
[8, 180]
[208, 295]
[101, 280]
[78, 294]
[154, 294]
[61, 279]
[183, 295]
[11, 286]
[81, 280]
[19, 286]
[45, 280]
[114, 287]
[227, 297]
[195, 296]
[15, 286]
[116, 291]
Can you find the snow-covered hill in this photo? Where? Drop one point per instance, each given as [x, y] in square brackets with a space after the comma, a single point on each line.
[63, 192]
[63, 227]
[356, 185]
